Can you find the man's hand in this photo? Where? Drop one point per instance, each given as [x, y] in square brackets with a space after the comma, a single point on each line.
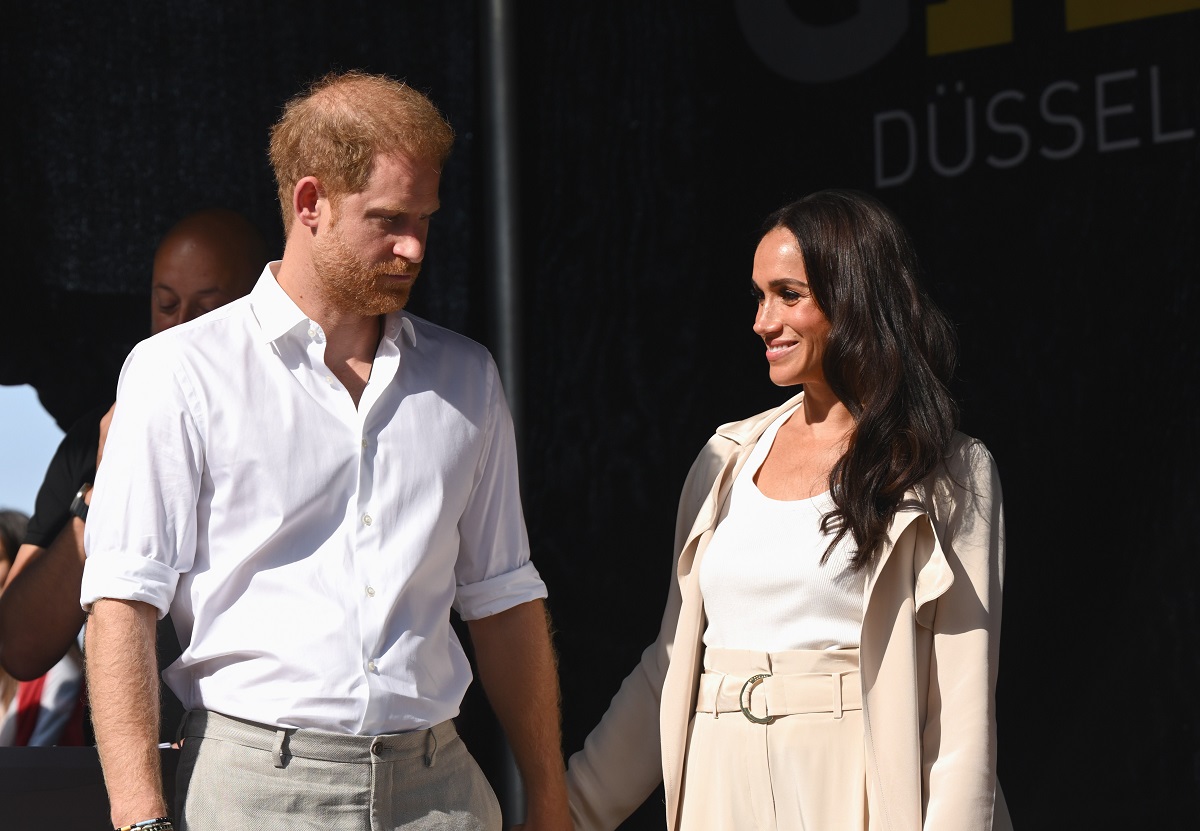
[520, 676]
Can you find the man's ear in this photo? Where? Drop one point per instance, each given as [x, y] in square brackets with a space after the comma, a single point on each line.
[308, 202]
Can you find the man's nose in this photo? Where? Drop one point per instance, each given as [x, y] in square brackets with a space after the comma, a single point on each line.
[187, 311]
[410, 247]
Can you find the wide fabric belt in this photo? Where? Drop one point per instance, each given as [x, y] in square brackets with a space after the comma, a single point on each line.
[763, 697]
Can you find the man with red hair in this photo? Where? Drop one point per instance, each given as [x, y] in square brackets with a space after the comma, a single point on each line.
[309, 480]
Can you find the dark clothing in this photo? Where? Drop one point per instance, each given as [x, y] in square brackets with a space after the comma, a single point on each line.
[73, 465]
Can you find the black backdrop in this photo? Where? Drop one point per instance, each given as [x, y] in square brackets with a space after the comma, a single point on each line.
[1047, 169]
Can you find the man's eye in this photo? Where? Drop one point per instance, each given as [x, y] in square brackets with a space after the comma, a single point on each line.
[168, 309]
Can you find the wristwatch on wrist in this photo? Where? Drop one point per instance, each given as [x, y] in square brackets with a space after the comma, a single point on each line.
[79, 508]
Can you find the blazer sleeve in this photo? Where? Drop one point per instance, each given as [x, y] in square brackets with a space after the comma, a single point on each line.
[620, 764]
[959, 738]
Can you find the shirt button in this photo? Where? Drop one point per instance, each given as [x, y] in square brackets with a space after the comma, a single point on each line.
[366, 519]
[370, 591]
[312, 332]
[364, 443]
[371, 666]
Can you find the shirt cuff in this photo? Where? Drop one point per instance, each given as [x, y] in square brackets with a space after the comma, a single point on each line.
[499, 593]
[127, 577]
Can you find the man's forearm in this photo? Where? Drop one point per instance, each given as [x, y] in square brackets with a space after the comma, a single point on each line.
[39, 610]
[123, 690]
[519, 674]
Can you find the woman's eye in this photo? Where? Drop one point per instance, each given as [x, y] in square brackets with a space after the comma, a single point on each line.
[168, 310]
[790, 296]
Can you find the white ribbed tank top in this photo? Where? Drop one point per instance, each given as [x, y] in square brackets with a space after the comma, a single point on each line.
[761, 577]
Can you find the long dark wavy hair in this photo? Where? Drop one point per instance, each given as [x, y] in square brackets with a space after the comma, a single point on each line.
[889, 358]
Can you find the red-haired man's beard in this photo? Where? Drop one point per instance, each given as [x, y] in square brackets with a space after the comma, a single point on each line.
[358, 287]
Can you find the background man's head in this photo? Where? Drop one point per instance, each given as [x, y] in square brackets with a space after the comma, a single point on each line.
[206, 260]
[336, 129]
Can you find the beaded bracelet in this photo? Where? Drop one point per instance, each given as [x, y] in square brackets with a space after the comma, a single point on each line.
[156, 824]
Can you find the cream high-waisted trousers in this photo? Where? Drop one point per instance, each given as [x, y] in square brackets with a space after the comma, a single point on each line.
[800, 767]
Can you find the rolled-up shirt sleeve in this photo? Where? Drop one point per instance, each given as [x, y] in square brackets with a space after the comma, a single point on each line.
[493, 571]
[141, 529]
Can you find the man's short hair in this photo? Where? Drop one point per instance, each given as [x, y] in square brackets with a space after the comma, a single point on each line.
[336, 128]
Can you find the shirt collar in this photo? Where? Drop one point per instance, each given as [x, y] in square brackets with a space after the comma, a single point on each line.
[278, 314]
[398, 322]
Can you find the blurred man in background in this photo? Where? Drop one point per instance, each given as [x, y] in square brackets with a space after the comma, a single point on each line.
[206, 260]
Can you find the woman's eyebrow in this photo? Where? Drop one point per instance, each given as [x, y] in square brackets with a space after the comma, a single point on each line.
[789, 282]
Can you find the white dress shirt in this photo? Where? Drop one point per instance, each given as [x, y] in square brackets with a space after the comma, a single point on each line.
[762, 579]
[309, 551]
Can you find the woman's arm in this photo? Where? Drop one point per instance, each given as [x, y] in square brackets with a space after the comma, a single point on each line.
[621, 761]
[959, 740]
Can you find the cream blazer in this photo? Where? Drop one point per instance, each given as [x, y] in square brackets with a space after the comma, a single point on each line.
[929, 653]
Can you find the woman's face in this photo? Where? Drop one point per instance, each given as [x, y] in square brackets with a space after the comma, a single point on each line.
[788, 320]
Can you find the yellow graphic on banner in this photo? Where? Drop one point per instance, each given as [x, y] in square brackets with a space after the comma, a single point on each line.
[959, 25]
[1087, 14]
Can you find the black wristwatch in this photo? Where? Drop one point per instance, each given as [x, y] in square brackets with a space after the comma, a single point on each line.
[79, 508]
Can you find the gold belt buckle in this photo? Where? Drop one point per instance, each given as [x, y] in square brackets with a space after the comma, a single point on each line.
[751, 682]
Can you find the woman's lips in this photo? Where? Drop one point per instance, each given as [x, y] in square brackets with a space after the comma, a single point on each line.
[779, 350]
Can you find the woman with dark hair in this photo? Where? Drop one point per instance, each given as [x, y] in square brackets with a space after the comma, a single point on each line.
[828, 655]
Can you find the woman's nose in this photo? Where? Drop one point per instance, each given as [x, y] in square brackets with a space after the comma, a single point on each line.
[764, 319]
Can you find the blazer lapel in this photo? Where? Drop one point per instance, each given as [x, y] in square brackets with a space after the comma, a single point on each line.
[683, 674]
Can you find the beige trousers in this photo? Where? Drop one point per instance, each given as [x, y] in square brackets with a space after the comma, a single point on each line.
[800, 767]
[235, 774]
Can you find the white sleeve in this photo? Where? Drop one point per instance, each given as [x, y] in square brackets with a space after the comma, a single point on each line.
[493, 571]
[141, 528]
